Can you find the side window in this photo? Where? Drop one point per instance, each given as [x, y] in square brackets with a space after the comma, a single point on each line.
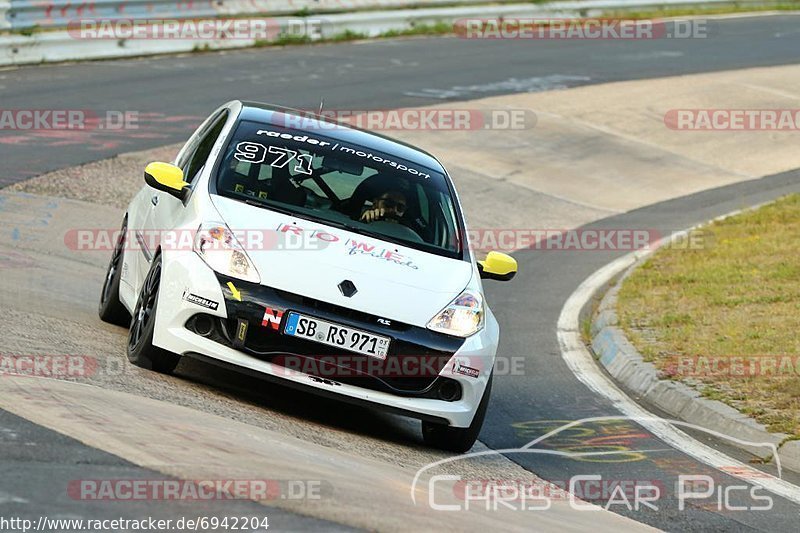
[194, 159]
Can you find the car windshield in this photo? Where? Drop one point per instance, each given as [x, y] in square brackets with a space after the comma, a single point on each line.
[347, 186]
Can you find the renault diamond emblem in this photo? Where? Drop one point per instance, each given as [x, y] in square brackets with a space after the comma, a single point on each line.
[348, 288]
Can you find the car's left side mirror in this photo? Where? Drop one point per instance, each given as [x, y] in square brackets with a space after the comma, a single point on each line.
[166, 177]
[497, 266]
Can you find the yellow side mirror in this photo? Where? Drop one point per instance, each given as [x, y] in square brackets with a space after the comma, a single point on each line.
[165, 177]
[497, 266]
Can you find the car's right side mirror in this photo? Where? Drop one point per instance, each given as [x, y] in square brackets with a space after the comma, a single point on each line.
[166, 177]
[498, 266]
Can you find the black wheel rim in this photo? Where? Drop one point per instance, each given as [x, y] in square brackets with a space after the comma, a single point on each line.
[143, 312]
[113, 266]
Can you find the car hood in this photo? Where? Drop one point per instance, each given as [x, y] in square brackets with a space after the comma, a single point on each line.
[392, 281]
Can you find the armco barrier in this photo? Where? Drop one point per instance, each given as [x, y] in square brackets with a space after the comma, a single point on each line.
[49, 14]
[59, 45]
[293, 7]
[24, 14]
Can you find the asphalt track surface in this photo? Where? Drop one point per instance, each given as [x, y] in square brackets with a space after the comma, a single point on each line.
[38, 463]
[172, 94]
[522, 407]
[529, 314]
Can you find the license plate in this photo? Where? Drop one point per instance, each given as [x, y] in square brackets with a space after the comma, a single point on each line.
[325, 332]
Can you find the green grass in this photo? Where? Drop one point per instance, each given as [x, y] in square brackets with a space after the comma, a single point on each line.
[666, 12]
[348, 35]
[739, 297]
[438, 28]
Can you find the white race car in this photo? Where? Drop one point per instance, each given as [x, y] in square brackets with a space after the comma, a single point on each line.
[323, 256]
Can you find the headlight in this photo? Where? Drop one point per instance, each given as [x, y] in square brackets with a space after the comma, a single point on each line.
[462, 317]
[216, 244]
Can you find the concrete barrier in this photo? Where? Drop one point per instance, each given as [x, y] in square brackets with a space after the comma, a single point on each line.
[59, 45]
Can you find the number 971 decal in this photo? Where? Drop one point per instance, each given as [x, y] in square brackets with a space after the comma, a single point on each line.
[256, 153]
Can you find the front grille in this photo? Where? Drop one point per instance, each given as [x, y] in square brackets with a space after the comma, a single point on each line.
[326, 362]
[410, 345]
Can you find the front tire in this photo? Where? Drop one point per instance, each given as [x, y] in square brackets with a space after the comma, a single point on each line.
[110, 308]
[141, 351]
[458, 440]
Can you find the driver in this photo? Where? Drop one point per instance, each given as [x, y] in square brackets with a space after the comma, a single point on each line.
[389, 207]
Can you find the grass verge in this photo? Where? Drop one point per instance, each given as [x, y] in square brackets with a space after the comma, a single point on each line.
[438, 28]
[667, 12]
[725, 318]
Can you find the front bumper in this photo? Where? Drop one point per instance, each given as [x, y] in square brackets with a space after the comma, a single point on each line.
[435, 391]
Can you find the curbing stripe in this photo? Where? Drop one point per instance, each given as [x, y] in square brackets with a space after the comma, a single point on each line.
[624, 362]
[583, 365]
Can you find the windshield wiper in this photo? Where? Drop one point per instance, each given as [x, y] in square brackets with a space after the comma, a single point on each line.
[256, 203]
[374, 234]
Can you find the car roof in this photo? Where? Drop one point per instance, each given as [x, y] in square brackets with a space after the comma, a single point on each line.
[259, 112]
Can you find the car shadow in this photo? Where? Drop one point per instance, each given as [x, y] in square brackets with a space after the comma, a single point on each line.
[309, 407]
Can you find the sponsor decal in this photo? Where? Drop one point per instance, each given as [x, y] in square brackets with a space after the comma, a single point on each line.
[353, 247]
[236, 293]
[360, 248]
[272, 318]
[199, 300]
[324, 381]
[460, 368]
[257, 153]
[241, 332]
[289, 136]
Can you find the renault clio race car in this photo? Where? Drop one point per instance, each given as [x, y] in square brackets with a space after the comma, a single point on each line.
[322, 256]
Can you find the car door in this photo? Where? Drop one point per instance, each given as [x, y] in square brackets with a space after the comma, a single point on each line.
[165, 209]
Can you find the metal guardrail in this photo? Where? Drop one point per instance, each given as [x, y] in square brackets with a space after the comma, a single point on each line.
[60, 45]
[25, 14]
[58, 13]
